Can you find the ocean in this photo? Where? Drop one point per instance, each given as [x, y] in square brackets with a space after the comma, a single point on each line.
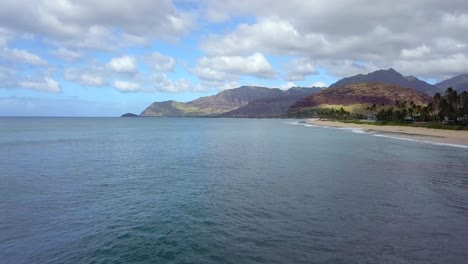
[195, 190]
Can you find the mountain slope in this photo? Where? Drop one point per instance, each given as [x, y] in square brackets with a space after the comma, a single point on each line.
[459, 83]
[389, 76]
[272, 107]
[355, 97]
[170, 108]
[222, 102]
[234, 98]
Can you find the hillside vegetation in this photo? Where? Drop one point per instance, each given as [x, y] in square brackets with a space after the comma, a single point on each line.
[356, 98]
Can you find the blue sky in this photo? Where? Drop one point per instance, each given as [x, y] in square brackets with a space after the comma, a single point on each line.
[105, 58]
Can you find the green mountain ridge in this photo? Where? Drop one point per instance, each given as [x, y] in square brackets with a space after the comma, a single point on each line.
[356, 97]
[389, 76]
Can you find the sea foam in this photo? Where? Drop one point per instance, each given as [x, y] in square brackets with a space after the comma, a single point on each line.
[422, 141]
[361, 131]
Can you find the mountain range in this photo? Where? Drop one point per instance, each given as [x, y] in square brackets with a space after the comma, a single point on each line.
[459, 83]
[226, 101]
[389, 76]
[354, 93]
[272, 106]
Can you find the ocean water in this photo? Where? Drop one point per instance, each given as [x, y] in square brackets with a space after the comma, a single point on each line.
[176, 190]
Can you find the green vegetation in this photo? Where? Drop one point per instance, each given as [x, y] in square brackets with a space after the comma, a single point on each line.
[355, 98]
[448, 111]
[338, 114]
[451, 108]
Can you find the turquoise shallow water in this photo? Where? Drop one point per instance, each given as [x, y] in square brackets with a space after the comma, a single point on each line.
[175, 190]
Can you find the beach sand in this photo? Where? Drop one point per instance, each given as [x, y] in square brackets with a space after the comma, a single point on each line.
[412, 133]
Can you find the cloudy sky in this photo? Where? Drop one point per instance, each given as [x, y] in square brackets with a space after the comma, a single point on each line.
[107, 57]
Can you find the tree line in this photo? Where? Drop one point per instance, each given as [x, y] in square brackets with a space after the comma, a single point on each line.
[451, 107]
[339, 114]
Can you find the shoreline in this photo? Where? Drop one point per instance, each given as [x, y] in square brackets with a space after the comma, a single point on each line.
[402, 132]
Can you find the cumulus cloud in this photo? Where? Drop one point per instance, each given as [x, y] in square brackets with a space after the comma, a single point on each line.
[160, 62]
[287, 85]
[93, 76]
[67, 54]
[269, 35]
[96, 24]
[299, 69]
[381, 33]
[98, 74]
[11, 78]
[22, 56]
[231, 67]
[449, 66]
[163, 84]
[122, 72]
[319, 84]
[345, 68]
[46, 85]
[126, 87]
[227, 86]
[206, 73]
[124, 64]
[416, 53]
[341, 38]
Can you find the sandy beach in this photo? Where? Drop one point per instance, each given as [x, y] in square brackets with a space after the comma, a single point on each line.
[414, 133]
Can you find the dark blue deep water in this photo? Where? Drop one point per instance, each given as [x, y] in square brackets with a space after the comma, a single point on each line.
[168, 190]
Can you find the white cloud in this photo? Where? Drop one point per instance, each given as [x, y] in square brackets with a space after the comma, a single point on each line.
[124, 64]
[231, 67]
[67, 54]
[227, 86]
[96, 24]
[299, 69]
[11, 78]
[319, 84]
[416, 53]
[46, 85]
[92, 80]
[287, 85]
[127, 87]
[93, 77]
[345, 68]
[352, 31]
[208, 74]
[448, 66]
[22, 56]
[163, 84]
[341, 37]
[160, 62]
[269, 35]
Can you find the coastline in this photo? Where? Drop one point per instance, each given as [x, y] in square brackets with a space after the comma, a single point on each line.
[402, 132]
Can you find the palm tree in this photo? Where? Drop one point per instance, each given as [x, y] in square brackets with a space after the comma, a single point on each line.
[444, 109]
[464, 103]
[435, 107]
[452, 103]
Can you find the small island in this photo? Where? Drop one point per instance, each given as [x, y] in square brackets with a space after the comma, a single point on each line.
[129, 115]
